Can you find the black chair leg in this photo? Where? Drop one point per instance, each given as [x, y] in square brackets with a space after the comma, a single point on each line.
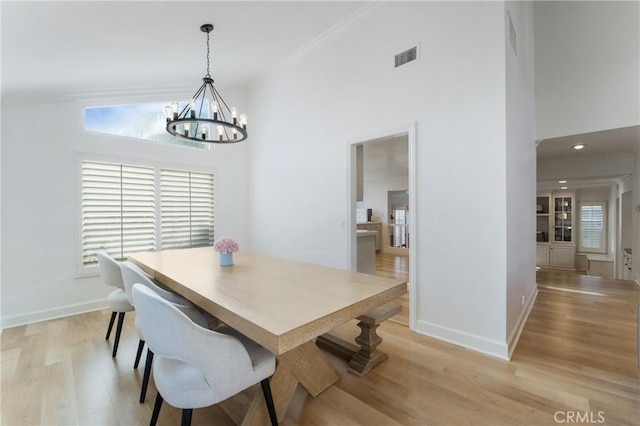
[145, 377]
[156, 410]
[111, 321]
[138, 354]
[186, 416]
[268, 398]
[118, 332]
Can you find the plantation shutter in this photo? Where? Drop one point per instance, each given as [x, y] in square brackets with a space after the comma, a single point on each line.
[118, 209]
[186, 209]
[592, 226]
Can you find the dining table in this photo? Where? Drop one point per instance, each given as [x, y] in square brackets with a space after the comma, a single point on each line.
[282, 304]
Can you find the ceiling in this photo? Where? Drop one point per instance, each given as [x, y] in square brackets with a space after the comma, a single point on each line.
[598, 146]
[623, 140]
[60, 49]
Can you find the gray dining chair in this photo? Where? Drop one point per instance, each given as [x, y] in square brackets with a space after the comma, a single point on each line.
[117, 299]
[132, 274]
[195, 367]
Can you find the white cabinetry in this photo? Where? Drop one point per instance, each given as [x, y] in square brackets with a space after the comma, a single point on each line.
[373, 226]
[554, 230]
[542, 254]
[562, 256]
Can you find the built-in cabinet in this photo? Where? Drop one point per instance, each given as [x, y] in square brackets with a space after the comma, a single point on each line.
[554, 230]
[373, 226]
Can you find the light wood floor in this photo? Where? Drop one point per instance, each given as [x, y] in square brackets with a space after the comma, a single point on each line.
[396, 266]
[577, 353]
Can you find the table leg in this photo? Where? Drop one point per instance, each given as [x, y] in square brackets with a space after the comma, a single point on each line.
[305, 365]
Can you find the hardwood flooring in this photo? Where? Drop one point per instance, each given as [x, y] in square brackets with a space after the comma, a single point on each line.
[577, 356]
[396, 266]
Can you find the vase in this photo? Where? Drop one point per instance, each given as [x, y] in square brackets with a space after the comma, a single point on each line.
[226, 258]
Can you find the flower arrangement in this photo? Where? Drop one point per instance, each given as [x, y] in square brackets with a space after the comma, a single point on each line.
[226, 245]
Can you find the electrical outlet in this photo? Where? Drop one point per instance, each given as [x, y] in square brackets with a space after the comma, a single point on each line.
[522, 300]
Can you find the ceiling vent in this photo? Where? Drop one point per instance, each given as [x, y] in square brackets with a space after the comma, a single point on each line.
[406, 56]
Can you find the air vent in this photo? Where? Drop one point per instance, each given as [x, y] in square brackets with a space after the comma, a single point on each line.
[406, 56]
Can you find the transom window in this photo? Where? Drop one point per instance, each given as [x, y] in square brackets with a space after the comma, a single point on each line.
[141, 121]
[128, 208]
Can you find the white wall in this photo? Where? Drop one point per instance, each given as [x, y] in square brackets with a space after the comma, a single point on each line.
[346, 89]
[587, 66]
[520, 169]
[40, 207]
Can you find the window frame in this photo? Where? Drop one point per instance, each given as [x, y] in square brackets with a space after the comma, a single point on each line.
[605, 226]
[93, 270]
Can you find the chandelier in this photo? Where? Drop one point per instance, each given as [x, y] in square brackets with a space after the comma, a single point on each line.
[204, 117]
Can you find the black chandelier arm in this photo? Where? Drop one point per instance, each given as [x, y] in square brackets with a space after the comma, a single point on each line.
[217, 95]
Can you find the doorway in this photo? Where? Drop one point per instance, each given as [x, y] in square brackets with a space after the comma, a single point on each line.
[382, 199]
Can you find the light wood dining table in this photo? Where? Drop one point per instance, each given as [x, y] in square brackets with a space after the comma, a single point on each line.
[281, 304]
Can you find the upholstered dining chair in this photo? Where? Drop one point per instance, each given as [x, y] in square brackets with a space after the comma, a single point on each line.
[195, 367]
[132, 274]
[118, 301]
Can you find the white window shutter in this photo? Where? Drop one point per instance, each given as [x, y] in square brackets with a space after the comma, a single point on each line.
[592, 226]
[118, 213]
[186, 209]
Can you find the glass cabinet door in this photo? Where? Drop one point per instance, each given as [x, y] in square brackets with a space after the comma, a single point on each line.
[563, 219]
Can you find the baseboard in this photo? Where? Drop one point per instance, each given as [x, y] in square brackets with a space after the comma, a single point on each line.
[49, 314]
[494, 348]
[512, 341]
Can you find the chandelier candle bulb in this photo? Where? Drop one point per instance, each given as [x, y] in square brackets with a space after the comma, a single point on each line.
[186, 129]
[174, 107]
[220, 132]
[214, 109]
[168, 111]
[204, 132]
[243, 121]
[234, 114]
[192, 107]
[235, 134]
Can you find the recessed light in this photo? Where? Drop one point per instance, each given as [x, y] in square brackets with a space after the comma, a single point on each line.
[562, 181]
[579, 146]
[563, 187]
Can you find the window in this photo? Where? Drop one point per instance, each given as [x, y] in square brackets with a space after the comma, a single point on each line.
[142, 121]
[128, 208]
[593, 224]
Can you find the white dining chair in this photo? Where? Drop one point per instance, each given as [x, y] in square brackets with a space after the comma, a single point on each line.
[118, 300]
[195, 367]
[132, 274]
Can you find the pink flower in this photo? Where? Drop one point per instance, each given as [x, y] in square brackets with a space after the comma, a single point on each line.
[226, 245]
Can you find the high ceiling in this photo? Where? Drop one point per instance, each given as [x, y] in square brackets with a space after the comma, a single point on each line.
[58, 49]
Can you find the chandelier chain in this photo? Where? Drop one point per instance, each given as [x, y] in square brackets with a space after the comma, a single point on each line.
[208, 75]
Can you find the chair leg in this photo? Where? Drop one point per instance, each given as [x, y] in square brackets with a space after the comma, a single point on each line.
[156, 410]
[268, 398]
[145, 377]
[138, 354]
[118, 332]
[111, 321]
[186, 416]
